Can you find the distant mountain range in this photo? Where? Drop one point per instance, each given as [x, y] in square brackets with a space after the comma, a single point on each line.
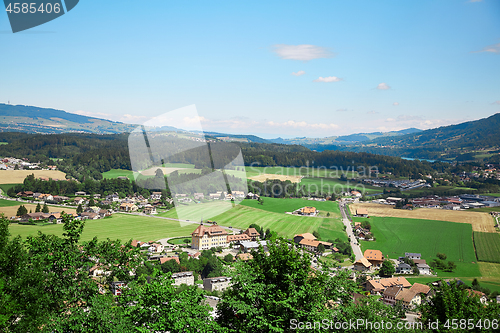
[32, 119]
[344, 140]
[466, 141]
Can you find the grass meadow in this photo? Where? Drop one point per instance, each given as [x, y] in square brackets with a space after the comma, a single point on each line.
[272, 215]
[487, 246]
[118, 226]
[395, 236]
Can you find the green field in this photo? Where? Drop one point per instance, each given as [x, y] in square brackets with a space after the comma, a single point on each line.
[4, 143]
[331, 185]
[271, 215]
[115, 173]
[395, 236]
[119, 226]
[487, 246]
[8, 203]
[304, 171]
[6, 187]
[289, 205]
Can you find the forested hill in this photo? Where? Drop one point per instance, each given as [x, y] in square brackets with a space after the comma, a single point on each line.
[32, 119]
[482, 133]
[85, 156]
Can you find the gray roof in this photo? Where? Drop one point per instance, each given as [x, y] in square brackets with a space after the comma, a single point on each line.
[253, 244]
[403, 265]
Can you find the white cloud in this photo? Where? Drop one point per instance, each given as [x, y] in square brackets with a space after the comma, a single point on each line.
[304, 52]
[93, 114]
[299, 73]
[383, 86]
[342, 110]
[491, 48]
[328, 79]
[302, 124]
[395, 103]
[372, 112]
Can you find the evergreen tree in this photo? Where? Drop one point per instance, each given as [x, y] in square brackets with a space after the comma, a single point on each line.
[45, 208]
[38, 208]
[21, 211]
[79, 209]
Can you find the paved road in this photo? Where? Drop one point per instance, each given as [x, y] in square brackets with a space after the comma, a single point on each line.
[345, 219]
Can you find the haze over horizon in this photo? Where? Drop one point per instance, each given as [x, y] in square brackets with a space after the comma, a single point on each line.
[281, 69]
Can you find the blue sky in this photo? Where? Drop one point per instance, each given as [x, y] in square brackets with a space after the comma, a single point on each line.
[284, 68]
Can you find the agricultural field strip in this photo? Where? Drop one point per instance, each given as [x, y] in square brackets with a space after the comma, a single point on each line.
[487, 246]
[482, 222]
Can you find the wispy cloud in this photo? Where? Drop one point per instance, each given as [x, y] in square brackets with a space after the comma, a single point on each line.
[342, 110]
[328, 79]
[299, 73]
[303, 52]
[475, 0]
[93, 114]
[372, 112]
[383, 86]
[495, 48]
[496, 102]
[302, 124]
[395, 103]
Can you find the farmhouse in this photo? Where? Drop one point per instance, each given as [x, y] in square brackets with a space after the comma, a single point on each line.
[165, 259]
[79, 201]
[362, 212]
[34, 216]
[424, 269]
[89, 216]
[390, 294]
[375, 257]
[128, 207]
[199, 196]
[403, 268]
[253, 234]
[413, 256]
[148, 209]
[307, 235]
[204, 238]
[408, 298]
[155, 196]
[307, 211]
[80, 193]
[362, 265]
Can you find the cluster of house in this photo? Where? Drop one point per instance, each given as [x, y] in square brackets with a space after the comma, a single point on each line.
[10, 163]
[404, 268]
[311, 243]
[362, 233]
[488, 171]
[306, 211]
[402, 184]
[219, 195]
[373, 259]
[464, 201]
[398, 289]
[90, 213]
[131, 203]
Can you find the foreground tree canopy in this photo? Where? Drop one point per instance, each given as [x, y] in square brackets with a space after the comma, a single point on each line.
[45, 286]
